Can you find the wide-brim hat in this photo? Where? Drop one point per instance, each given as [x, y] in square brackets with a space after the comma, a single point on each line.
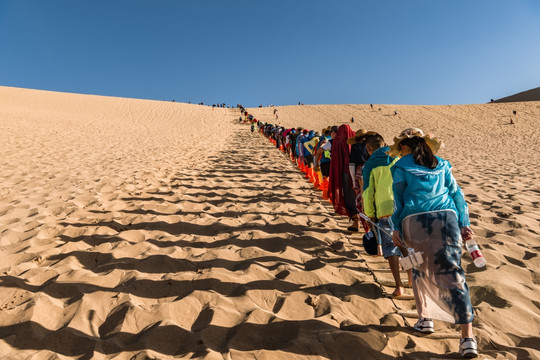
[433, 143]
[358, 135]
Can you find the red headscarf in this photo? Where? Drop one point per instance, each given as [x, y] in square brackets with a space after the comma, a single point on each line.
[339, 165]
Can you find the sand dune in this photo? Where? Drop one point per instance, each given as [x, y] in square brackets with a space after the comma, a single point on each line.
[528, 95]
[134, 229]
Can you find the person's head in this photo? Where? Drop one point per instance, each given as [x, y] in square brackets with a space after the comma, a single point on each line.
[360, 136]
[421, 152]
[421, 146]
[333, 131]
[374, 142]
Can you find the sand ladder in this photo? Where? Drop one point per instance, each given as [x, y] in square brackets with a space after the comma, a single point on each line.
[377, 266]
[379, 269]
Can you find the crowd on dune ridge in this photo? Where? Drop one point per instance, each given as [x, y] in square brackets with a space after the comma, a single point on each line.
[406, 200]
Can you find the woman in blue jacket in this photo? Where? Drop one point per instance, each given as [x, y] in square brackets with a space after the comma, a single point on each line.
[431, 216]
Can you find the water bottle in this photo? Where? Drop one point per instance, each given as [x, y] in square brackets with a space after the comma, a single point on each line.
[475, 252]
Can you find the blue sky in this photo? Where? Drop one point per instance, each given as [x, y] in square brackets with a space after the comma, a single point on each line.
[280, 51]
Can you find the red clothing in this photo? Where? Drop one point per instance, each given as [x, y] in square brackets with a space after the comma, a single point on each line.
[339, 165]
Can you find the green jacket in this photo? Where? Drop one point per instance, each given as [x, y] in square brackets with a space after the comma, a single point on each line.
[378, 196]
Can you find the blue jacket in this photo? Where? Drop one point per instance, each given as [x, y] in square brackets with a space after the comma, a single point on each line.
[418, 189]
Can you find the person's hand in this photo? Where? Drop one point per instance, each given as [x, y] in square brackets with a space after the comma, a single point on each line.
[397, 239]
[466, 233]
[315, 167]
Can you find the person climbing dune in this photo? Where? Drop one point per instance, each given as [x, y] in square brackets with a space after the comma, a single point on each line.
[431, 217]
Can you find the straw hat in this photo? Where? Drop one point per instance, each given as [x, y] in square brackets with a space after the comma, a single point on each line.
[433, 143]
[359, 134]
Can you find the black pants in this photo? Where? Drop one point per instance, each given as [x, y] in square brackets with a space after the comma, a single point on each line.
[325, 169]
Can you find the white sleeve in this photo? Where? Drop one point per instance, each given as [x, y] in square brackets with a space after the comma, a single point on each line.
[327, 146]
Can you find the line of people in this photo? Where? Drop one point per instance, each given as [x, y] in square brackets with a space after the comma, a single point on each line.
[406, 200]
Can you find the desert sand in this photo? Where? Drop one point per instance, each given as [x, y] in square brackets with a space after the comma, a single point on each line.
[137, 229]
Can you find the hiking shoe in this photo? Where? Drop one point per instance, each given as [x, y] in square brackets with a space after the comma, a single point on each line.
[424, 325]
[468, 348]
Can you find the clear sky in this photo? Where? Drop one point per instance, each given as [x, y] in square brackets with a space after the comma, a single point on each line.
[280, 51]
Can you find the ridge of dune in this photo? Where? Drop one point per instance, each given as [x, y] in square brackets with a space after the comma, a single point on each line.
[527, 95]
[135, 229]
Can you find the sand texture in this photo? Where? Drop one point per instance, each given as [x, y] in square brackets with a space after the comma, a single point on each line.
[136, 229]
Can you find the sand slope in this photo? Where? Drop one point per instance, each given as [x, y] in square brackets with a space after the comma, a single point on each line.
[134, 229]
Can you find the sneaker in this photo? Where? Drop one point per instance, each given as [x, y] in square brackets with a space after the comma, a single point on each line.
[424, 325]
[468, 348]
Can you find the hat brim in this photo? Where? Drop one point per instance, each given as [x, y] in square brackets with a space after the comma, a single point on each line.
[433, 143]
[352, 140]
